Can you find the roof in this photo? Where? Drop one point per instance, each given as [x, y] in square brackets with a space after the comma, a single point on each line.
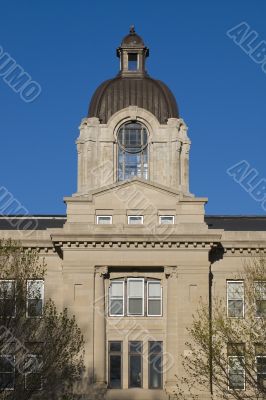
[226, 222]
[121, 92]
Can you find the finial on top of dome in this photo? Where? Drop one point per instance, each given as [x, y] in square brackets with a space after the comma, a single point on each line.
[132, 30]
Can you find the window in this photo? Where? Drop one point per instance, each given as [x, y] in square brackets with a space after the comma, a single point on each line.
[7, 298]
[261, 366]
[144, 297]
[7, 372]
[260, 296]
[115, 365]
[167, 219]
[132, 62]
[132, 151]
[135, 364]
[104, 219]
[155, 365]
[154, 298]
[32, 370]
[236, 366]
[116, 298]
[135, 219]
[235, 299]
[35, 297]
[135, 291]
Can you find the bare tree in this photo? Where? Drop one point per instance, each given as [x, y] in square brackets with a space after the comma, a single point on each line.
[41, 349]
[226, 353]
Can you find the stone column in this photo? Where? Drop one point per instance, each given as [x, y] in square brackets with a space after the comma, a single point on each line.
[99, 348]
[170, 363]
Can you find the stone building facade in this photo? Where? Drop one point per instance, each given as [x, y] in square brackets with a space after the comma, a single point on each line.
[132, 256]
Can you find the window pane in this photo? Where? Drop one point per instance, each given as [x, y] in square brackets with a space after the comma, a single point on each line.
[135, 373]
[135, 347]
[235, 290]
[135, 220]
[154, 289]
[155, 347]
[116, 289]
[261, 308]
[167, 219]
[235, 308]
[7, 375]
[154, 307]
[115, 371]
[116, 307]
[104, 220]
[35, 295]
[7, 298]
[261, 371]
[155, 371]
[135, 288]
[135, 306]
[35, 289]
[132, 62]
[115, 346]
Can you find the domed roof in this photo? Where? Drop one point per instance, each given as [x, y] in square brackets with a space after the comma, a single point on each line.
[133, 86]
[132, 38]
[121, 92]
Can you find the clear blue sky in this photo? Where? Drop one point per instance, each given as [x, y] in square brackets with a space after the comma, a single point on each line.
[68, 47]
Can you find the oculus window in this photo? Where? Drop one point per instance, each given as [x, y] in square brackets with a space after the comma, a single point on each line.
[132, 151]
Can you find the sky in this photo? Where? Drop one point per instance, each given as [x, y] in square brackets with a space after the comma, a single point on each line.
[67, 47]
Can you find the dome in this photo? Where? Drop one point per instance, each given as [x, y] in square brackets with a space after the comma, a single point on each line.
[121, 92]
[133, 86]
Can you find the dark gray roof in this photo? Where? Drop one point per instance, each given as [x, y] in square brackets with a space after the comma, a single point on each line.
[236, 222]
[226, 222]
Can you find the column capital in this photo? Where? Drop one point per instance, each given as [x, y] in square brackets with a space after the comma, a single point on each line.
[102, 271]
[170, 272]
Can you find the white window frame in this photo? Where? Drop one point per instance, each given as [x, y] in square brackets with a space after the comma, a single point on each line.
[244, 373]
[148, 298]
[255, 283]
[104, 216]
[15, 287]
[227, 298]
[27, 299]
[14, 370]
[166, 216]
[138, 216]
[143, 298]
[109, 302]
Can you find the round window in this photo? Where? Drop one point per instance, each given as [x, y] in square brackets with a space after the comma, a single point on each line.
[132, 137]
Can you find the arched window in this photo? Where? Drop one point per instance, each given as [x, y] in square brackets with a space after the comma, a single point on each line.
[132, 151]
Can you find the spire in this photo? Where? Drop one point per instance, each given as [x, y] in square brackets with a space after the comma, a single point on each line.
[132, 54]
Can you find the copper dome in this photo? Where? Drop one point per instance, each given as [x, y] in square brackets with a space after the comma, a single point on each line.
[133, 87]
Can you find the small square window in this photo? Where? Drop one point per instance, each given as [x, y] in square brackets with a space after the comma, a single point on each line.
[104, 219]
[135, 219]
[167, 219]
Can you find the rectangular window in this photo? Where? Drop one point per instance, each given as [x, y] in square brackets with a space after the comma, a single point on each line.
[166, 219]
[7, 372]
[7, 298]
[135, 364]
[115, 365]
[235, 299]
[132, 62]
[135, 292]
[261, 365]
[35, 298]
[236, 366]
[260, 297]
[116, 298]
[32, 371]
[236, 372]
[154, 298]
[104, 219]
[155, 365]
[135, 219]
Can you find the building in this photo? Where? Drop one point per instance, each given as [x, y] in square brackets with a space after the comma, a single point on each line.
[133, 254]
